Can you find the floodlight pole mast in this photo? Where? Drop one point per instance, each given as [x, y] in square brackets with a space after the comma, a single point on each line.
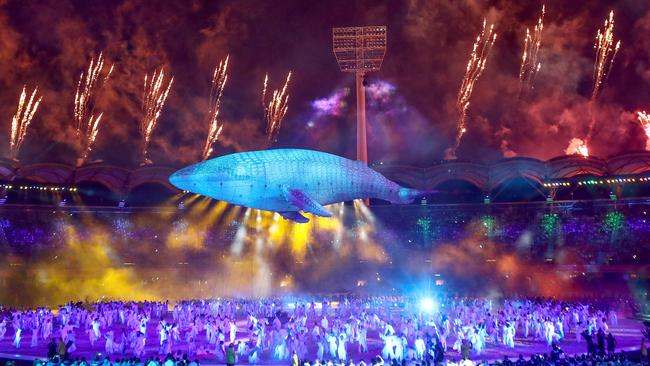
[362, 144]
[360, 50]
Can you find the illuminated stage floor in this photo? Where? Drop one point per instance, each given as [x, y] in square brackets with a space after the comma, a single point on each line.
[627, 333]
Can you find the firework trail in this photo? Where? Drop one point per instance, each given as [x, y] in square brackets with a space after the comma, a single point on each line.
[153, 101]
[644, 119]
[275, 109]
[266, 83]
[21, 121]
[530, 64]
[86, 123]
[475, 66]
[606, 51]
[219, 79]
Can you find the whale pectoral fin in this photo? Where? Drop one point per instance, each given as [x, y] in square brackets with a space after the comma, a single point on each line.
[303, 202]
[294, 216]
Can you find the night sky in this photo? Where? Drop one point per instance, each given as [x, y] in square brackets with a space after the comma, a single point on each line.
[411, 113]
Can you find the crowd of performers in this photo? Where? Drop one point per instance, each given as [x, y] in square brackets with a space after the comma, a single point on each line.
[322, 331]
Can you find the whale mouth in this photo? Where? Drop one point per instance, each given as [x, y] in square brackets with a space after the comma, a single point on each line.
[175, 180]
[181, 178]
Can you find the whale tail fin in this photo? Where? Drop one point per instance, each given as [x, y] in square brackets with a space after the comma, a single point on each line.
[408, 195]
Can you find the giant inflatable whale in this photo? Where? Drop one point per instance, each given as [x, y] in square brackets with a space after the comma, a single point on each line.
[288, 181]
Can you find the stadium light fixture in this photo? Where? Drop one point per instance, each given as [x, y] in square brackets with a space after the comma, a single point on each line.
[360, 50]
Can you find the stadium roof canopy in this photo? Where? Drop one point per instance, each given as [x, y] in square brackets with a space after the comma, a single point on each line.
[483, 176]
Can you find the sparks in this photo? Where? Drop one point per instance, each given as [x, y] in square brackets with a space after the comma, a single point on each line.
[21, 120]
[644, 120]
[475, 66]
[219, 79]
[153, 101]
[275, 109]
[530, 64]
[86, 123]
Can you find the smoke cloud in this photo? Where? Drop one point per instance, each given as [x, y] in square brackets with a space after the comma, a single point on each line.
[49, 43]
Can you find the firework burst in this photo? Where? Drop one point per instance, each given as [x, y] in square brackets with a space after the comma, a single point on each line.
[475, 67]
[153, 101]
[583, 150]
[275, 108]
[577, 147]
[86, 123]
[530, 64]
[219, 79]
[644, 120]
[606, 52]
[21, 120]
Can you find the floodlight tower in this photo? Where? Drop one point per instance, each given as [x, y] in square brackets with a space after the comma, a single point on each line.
[360, 50]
